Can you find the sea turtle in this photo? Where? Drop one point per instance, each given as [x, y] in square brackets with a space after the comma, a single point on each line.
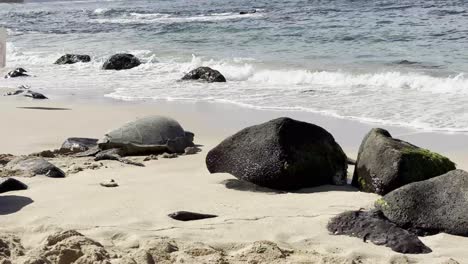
[148, 135]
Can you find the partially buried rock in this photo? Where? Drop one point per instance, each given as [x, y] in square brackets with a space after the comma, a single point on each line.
[18, 72]
[32, 166]
[283, 154]
[149, 135]
[121, 62]
[109, 184]
[11, 184]
[436, 205]
[189, 216]
[73, 58]
[191, 150]
[206, 74]
[372, 226]
[75, 145]
[385, 163]
[35, 95]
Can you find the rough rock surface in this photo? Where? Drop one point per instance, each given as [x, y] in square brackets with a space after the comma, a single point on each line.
[72, 58]
[436, 205]
[75, 145]
[385, 163]
[121, 62]
[32, 166]
[372, 226]
[11, 184]
[18, 72]
[205, 74]
[282, 154]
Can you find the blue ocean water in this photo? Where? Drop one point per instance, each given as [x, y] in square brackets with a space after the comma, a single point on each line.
[389, 62]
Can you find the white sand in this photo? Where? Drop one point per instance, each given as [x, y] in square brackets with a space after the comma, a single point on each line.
[125, 216]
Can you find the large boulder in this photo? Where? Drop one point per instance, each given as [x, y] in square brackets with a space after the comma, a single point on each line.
[72, 58]
[283, 154]
[32, 166]
[11, 184]
[121, 61]
[148, 135]
[205, 74]
[385, 163]
[436, 205]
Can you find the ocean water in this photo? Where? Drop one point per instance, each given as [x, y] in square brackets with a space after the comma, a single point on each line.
[385, 62]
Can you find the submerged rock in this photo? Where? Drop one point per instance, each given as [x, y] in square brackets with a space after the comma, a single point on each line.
[149, 135]
[206, 74]
[18, 72]
[282, 154]
[72, 58]
[121, 62]
[11, 184]
[436, 205]
[372, 226]
[189, 216]
[32, 166]
[385, 164]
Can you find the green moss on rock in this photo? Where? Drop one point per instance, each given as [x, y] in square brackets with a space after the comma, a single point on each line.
[381, 204]
[421, 164]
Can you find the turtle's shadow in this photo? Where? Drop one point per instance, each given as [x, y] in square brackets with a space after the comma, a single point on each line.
[10, 204]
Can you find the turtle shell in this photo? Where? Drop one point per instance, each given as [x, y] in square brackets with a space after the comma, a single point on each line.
[152, 134]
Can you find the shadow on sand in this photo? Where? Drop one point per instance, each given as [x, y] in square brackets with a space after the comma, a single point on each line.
[235, 184]
[10, 204]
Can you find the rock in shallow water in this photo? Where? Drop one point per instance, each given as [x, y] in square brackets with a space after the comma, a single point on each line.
[205, 74]
[436, 205]
[72, 58]
[18, 72]
[282, 154]
[121, 62]
[385, 164]
[372, 226]
[32, 166]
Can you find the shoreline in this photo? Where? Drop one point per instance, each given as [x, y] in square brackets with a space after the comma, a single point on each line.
[125, 218]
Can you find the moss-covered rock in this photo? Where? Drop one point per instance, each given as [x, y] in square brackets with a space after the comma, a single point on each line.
[385, 163]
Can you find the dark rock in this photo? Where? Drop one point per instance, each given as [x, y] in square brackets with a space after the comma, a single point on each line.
[109, 184]
[374, 227]
[16, 92]
[110, 154]
[406, 62]
[18, 72]
[248, 12]
[72, 58]
[32, 166]
[436, 205]
[5, 158]
[385, 164]
[35, 95]
[189, 216]
[282, 154]
[121, 62]
[351, 161]
[75, 145]
[11, 184]
[206, 74]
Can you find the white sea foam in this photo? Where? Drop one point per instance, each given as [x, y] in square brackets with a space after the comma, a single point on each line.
[394, 98]
[139, 18]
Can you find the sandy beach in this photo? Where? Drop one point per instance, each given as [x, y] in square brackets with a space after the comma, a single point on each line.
[126, 218]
